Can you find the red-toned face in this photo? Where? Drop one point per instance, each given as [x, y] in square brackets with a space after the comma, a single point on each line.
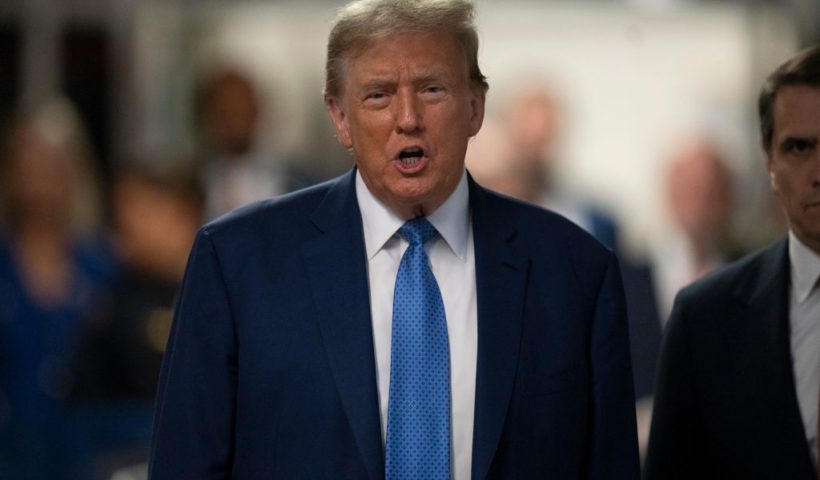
[407, 110]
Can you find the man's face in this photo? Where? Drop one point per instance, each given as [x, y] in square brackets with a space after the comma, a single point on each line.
[794, 160]
[407, 110]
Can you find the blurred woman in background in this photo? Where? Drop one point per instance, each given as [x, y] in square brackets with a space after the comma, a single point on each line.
[53, 270]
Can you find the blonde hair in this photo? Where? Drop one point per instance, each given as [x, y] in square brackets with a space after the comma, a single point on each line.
[363, 22]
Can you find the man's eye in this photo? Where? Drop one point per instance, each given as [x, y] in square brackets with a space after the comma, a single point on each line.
[799, 146]
[376, 99]
[433, 89]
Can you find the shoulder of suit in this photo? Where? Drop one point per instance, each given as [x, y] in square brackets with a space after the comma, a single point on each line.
[530, 215]
[542, 229]
[742, 274]
[290, 209]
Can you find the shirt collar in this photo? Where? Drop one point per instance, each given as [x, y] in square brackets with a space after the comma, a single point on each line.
[451, 219]
[805, 268]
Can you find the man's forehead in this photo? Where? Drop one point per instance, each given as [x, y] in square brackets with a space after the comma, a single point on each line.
[388, 58]
[404, 45]
[796, 94]
[797, 106]
[392, 73]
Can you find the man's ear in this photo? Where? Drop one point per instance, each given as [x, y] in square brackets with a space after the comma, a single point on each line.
[773, 179]
[477, 98]
[773, 183]
[772, 176]
[339, 118]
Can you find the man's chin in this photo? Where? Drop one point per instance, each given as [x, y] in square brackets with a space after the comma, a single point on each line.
[414, 203]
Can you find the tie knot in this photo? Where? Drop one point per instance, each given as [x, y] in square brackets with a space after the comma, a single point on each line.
[418, 231]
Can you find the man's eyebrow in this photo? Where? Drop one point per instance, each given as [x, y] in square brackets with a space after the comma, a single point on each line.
[430, 77]
[376, 83]
[790, 140]
[800, 138]
[386, 82]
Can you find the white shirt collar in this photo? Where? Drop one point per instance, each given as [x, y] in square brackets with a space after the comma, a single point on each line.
[451, 219]
[805, 268]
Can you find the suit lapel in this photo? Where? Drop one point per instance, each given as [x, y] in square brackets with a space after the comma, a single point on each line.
[757, 332]
[337, 268]
[758, 336]
[500, 285]
[765, 299]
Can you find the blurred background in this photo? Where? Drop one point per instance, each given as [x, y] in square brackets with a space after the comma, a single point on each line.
[126, 124]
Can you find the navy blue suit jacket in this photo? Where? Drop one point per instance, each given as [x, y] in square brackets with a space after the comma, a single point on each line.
[270, 371]
[725, 404]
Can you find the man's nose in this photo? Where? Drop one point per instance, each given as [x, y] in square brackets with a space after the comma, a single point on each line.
[408, 113]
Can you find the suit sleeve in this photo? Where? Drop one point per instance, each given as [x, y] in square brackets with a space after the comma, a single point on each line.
[194, 417]
[670, 454]
[614, 445]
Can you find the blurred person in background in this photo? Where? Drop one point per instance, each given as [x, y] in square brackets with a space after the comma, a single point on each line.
[236, 168]
[698, 194]
[533, 120]
[156, 214]
[698, 190]
[739, 374]
[53, 271]
[489, 160]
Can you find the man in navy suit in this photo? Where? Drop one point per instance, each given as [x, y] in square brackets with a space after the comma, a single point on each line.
[279, 362]
[739, 375]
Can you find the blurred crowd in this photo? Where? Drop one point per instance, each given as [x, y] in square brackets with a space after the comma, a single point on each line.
[89, 270]
[89, 273]
[520, 158]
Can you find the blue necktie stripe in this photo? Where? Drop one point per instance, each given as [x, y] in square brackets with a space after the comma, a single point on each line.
[418, 425]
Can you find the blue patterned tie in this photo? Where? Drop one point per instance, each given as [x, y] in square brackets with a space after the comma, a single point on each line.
[418, 412]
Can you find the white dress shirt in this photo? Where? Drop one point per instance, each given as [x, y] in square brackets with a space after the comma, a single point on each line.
[804, 319]
[233, 181]
[675, 266]
[452, 260]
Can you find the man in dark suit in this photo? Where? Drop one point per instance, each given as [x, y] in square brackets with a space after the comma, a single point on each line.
[321, 335]
[739, 375]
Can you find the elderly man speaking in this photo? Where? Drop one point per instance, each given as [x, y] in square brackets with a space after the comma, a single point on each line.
[400, 321]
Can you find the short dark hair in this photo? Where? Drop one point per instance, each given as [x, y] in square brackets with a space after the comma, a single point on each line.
[801, 69]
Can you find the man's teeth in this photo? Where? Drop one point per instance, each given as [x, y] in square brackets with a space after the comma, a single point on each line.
[410, 157]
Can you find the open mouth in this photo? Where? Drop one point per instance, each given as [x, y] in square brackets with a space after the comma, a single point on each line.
[411, 156]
